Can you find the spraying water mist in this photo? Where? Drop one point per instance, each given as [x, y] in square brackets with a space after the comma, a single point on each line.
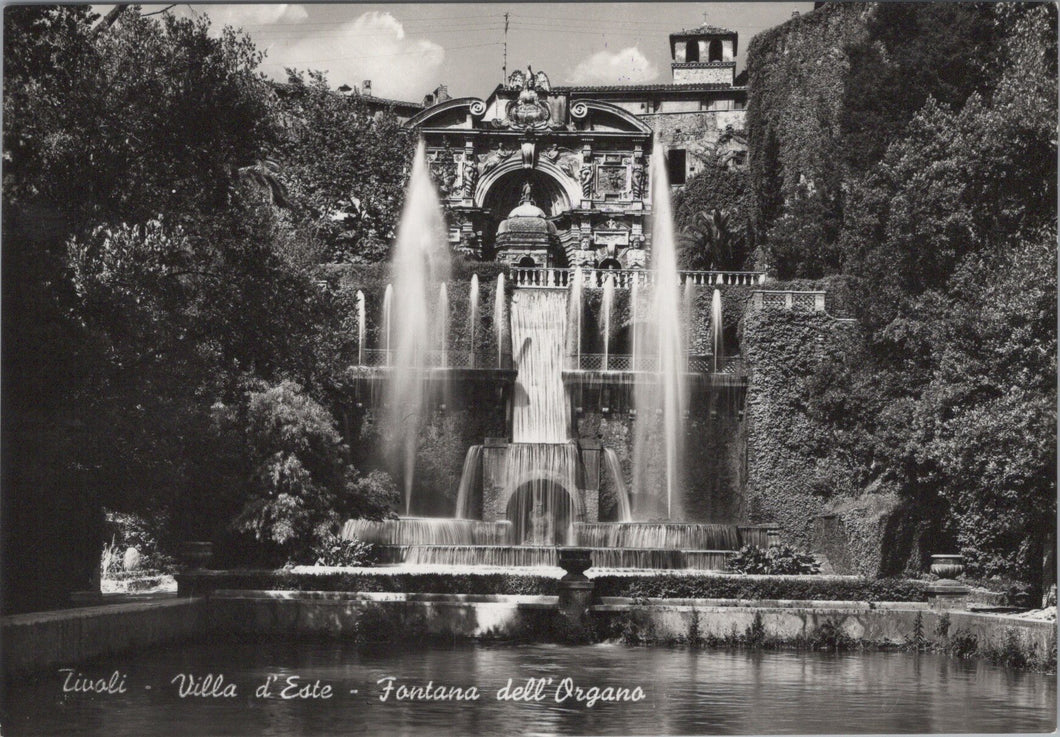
[361, 327]
[716, 331]
[500, 319]
[388, 305]
[660, 399]
[473, 319]
[605, 316]
[420, 264]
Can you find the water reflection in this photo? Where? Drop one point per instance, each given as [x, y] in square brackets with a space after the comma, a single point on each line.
[687, 692]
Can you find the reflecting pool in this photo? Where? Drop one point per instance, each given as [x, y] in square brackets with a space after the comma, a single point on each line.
[332, 687]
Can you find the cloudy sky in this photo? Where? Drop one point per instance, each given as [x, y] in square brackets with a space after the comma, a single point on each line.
[407, 50]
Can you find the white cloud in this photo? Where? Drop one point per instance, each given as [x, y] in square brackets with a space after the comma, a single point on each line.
[628, 66]
[373, 46]
[255, 15]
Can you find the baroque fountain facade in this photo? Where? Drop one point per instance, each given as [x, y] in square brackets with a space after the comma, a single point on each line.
[613, 414]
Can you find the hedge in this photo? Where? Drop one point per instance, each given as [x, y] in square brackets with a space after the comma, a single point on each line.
[665, 585]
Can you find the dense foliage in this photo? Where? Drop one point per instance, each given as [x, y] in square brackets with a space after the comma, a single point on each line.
[712, 216]
[778, 560]
[942, 216]
[166, 210]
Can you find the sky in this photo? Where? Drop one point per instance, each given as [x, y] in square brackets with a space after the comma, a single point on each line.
[407, 50]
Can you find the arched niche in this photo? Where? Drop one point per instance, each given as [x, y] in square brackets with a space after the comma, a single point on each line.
[500, 189]
[542, 512]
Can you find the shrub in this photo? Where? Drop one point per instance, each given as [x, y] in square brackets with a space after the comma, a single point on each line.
[301, 480]
[332, 550]
[777, 560]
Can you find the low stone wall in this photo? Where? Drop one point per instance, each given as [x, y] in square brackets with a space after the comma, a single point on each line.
[38, 641]
[34, 642]
[373, 615]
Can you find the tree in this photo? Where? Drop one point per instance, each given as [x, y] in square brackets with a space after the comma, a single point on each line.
[712, 214]
[344, 170]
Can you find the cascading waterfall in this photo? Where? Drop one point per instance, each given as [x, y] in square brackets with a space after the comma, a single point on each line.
[614, 470]
[427, 531]
[420, 264]
[640, 535]
[473, 319]
[540, 412]
[361, 327]
[605, 316]
[716, 331]
[542, 477]
[660, 400]
[500, 319]
[388, 304]
[469, 479]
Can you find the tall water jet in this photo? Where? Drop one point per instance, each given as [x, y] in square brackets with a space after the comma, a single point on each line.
[687, 310]
[361, 327]
[716, 331]
[634, 305]
[500, 319]
[605, 317]
[442, 318]
[660, 399]
[420, 264]
[574, 316]
[388, 305]
[473, 320]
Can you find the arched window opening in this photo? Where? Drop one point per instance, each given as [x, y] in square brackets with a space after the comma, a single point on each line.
[692, 51]
[714, 54]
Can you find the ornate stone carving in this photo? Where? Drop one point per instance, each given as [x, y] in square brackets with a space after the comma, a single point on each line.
[470, 177]
[528, 148]
[611, 180]
[638, 185]
[528, 111]
[586, 176]
[494, 158]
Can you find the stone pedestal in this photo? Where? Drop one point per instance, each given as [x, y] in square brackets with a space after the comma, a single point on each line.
[575, 588]
[947, 594]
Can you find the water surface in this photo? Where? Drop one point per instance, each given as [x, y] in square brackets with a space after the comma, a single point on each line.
[685, 692]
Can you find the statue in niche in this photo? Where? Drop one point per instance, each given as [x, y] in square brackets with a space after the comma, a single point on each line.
[527, 196]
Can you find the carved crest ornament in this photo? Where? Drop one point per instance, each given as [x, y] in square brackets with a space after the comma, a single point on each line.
[529, 110]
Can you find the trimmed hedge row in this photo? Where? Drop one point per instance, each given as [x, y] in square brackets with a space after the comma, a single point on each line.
[677, 585]
[815, 588]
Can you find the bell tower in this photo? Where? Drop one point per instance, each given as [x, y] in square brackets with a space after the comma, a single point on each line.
[703, 55]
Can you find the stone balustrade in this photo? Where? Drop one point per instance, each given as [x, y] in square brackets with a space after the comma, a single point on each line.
[624, 362]
[765, 299]
[545, 278]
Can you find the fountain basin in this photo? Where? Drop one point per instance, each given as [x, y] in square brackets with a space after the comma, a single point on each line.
[529, 556]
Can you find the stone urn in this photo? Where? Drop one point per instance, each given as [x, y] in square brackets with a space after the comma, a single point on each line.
[947, 566]
[196, 554]
[575, 561]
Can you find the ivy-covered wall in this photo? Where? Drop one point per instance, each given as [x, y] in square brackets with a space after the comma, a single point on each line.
[797, 74]
[782, 348]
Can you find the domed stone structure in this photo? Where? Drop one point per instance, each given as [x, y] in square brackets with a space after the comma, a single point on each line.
[526, 237]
